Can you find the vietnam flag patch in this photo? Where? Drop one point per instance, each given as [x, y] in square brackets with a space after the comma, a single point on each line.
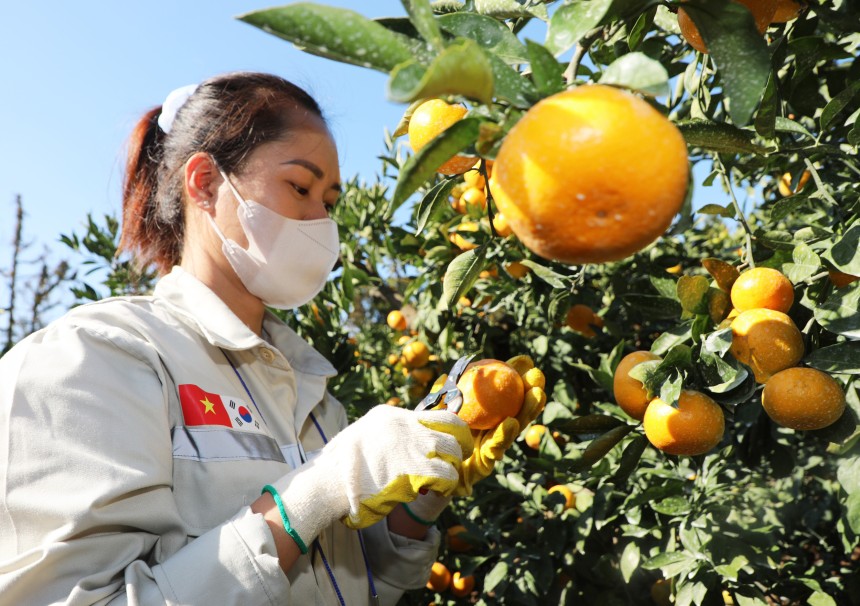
[200, 407]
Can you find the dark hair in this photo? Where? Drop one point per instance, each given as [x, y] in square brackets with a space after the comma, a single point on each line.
[228, 117]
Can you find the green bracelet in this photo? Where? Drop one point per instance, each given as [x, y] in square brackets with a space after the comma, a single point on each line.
[286, 520]
[412, 515]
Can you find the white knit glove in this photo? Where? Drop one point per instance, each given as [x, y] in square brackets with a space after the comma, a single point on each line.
[386, 457]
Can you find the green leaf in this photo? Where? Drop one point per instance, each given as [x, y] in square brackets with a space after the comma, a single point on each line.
[641, 28]
[670, 390]
[852, 511]
[784, 207]
[630, 459]
[730, 571]
[692, 292]
[672, 506]
[436, 199]
[507, 9]
[511, 86]
[848, 473]
[600, 447]
[572, 21]
[668, 561]
[806, 264]
[785, 125]
[590, 424]
[727, 211]
[547, 275]
[489, 33]
[638, 72]
[653, 305]
[775, 239]
[740, 52]
[335, 33]
[547, 72]
[496, 576]
[420, 167]
[765, 119]
[629, 561]
[819, 598]
[719, 374]
[461, 69]
[421, 15]
[842, 358]
[720, 137]
[756, 600]
[839, 312]
[837, 104]
[845, 252]
[461, 274]
[670, 338]
[664, 285]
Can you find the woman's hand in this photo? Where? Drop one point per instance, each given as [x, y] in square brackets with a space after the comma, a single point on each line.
[386, 457]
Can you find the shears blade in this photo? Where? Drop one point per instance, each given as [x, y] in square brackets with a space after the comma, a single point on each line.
[449, 394]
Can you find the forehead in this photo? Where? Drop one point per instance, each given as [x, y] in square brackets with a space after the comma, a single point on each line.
[309, 139]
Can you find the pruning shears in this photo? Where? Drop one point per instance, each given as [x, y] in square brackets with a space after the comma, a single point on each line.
[449, 394]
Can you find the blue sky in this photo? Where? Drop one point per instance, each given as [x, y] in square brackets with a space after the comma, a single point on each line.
[78, 75]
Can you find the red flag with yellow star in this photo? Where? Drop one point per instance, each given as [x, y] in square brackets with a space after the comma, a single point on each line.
[201, 407]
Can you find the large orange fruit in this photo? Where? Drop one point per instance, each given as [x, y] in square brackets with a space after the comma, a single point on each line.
[762, 287]
[567, 493]
[457, 543]
[440, 578]
[803, 398]
[534, 435]
[583, 320]
[590, 175]
[396, 320]
[429, 120]
[694, 428]
[629, 393]
[462, 585]
[786, 10]
[492, 391]
[762, 11]
[415, 354]
[767, 341]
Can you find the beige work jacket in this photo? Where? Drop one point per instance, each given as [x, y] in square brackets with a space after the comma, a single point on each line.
[112, 492]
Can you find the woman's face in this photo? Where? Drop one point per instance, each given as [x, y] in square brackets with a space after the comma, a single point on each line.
[297, 177]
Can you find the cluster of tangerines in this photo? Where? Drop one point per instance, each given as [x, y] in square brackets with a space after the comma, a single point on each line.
[765, 339]
[764, 12]
[414, 360]
[441, 577]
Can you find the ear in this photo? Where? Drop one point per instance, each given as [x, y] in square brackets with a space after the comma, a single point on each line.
[201, 180]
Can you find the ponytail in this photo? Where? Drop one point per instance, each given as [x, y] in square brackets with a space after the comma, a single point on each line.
[143, 234]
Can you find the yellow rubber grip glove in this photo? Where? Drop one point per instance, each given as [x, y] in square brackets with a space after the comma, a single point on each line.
[491, 444]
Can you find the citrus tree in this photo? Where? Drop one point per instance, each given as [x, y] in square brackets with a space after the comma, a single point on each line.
[699, 444]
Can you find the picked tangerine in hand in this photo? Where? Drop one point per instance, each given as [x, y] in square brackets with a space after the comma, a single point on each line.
[492, 391]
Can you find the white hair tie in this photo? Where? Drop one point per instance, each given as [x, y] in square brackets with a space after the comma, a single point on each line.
[172, 104]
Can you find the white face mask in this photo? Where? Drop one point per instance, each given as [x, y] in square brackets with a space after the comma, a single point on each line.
[287, 261]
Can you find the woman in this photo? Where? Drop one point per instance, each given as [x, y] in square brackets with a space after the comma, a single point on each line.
[182, 448]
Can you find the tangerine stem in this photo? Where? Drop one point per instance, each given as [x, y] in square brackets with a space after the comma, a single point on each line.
[818, 183]
[741, 217]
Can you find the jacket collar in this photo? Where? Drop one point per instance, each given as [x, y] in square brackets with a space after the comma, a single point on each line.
[206, 313]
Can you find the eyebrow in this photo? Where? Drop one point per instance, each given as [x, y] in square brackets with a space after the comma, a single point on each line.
[316, 170]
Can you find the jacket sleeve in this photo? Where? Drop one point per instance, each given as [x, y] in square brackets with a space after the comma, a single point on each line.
[87, 513]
